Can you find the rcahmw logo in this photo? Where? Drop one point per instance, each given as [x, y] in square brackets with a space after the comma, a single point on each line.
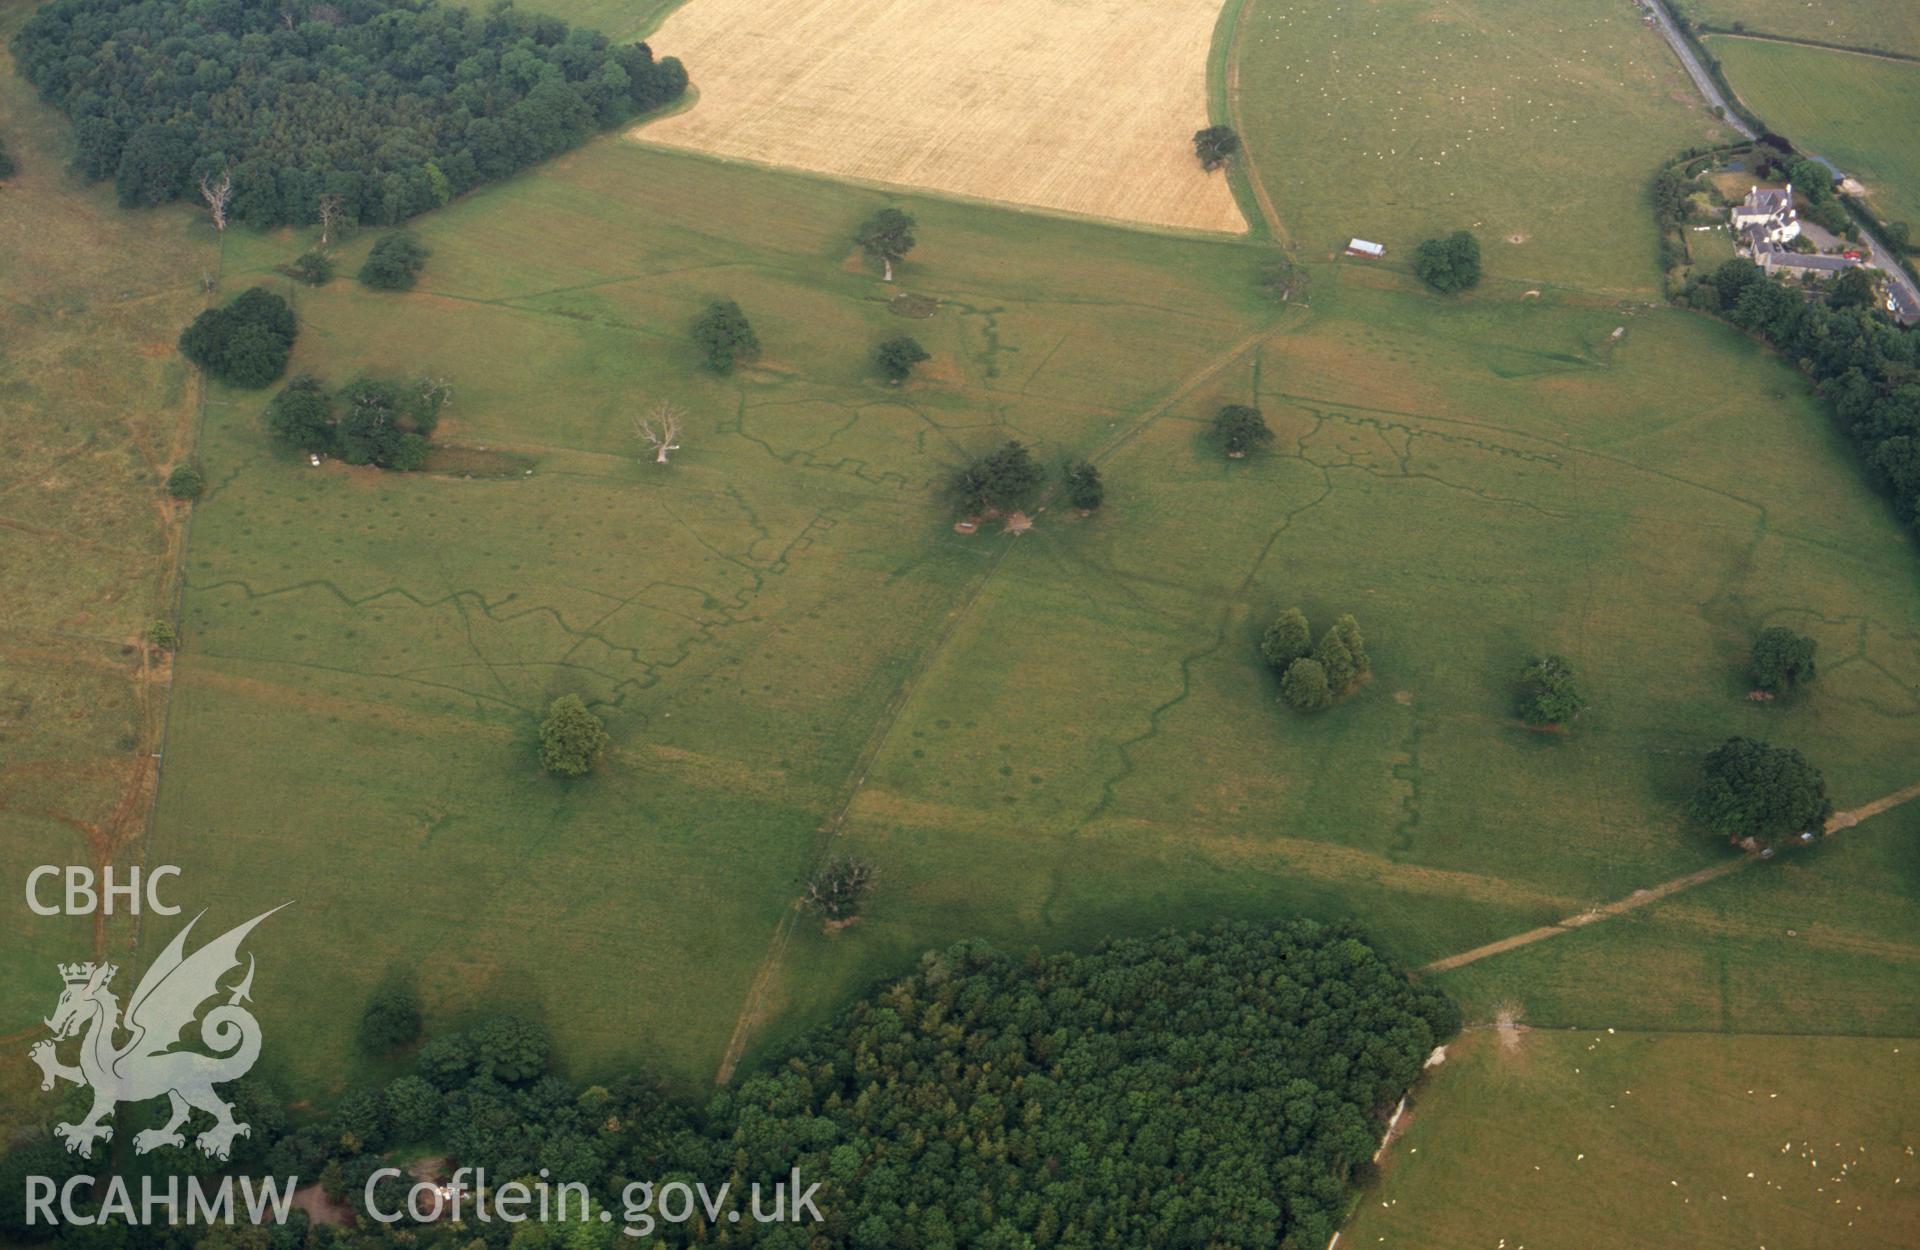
[162, 1007]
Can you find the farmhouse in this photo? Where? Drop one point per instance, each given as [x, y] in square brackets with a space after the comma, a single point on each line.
[1765, 223]
[1770, 212]
[1360, 247]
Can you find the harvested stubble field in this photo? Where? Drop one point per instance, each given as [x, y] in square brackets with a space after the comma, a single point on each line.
[1079, 106]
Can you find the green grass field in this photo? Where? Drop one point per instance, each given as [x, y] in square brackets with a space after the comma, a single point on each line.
[1398, 121]
[94, 406]
[1857, 111]
[1043, 739]
[1601, 1138]
[1884, 25]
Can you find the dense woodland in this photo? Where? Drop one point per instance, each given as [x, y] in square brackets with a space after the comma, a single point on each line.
[381, 108]
[1204, 1089]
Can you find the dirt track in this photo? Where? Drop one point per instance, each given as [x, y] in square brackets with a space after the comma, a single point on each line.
[1654, 894]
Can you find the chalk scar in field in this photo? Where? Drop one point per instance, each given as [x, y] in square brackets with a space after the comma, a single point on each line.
[1078, 106]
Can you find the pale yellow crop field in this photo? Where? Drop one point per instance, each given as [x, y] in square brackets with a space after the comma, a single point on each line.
[1081, 106]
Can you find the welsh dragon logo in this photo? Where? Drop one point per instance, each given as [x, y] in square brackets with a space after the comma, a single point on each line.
[145, 1066]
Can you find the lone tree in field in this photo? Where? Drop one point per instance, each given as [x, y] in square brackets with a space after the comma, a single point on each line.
[1215, 146]
[837, 890]
[1548, 695]
[1451, 264]
[186, 482]
[571, 738]
[1085, 490]
[1004, 480]
[1782, 660]
[313, 267]
[1759, 791]
[391, 1020]
[395, 263]
[1240, 429]
[661, 430]
[1289, 638]
[886, 236]
[724, 337]
[1306, 688]
[896, 357]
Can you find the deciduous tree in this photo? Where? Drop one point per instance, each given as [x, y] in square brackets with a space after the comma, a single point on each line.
[1005, 479]
[1287, 639]
[1548, 695]
[896, 357]
[1240, 429]
[1782, 660]
[724, 337]
[1085, 490]
[1451, 264]
[838, 888]
[1768, 793]
[395, 262]
[1215, 146]
[1305, 686]
[887, 236]
[572, 738]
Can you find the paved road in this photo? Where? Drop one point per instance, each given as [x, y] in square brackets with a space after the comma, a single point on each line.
[1696, 71]
[1906, 293]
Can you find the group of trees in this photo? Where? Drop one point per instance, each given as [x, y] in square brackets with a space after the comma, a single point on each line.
[1451, 264]
[1548, 695]
[245, 342]
[1861, 361]
[1190, 1089]
[372, 110]
[374, 421]
[8, 167]
[1008, 479]
[1313, 676]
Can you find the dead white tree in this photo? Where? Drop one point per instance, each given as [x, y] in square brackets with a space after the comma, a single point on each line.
[216, 194]
[660, 429]
[329, 209]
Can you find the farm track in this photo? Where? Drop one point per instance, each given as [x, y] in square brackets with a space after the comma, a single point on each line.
[1268, 213]
[1657, 893]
